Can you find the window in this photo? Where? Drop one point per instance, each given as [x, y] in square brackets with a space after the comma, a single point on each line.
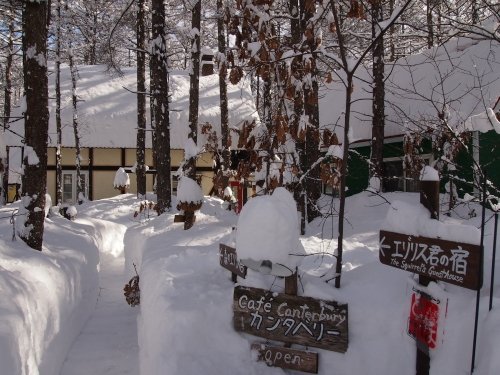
[328, 190]
[69, 185]
[397, 179]
[175, 182]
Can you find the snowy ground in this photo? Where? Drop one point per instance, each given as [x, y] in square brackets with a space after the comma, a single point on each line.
[184, 323]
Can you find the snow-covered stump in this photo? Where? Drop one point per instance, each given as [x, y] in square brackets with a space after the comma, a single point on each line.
[188, 216]
[190, 198]
[121, 181]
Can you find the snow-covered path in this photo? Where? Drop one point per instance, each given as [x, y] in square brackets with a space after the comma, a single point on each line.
[108, 343]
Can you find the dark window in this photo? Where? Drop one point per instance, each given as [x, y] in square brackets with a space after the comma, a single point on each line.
[393, 176]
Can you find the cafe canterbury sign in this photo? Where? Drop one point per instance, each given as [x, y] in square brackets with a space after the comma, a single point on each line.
[291, 319]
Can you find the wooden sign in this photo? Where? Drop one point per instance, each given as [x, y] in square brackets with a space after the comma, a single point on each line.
[296, 320]
[292, 359]
[452, 262]
[229, 260]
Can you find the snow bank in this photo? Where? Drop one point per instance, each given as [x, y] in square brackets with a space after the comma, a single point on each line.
[185, 324]
[46, 296]
[416, 220]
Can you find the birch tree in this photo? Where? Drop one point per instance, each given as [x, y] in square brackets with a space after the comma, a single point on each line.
[58, 36]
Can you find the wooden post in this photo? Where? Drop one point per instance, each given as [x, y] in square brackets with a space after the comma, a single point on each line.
[291, 284]
[5, 181]
[291, 288]
[492, 283]
[189, 219]
[480, 273]
[429, 198]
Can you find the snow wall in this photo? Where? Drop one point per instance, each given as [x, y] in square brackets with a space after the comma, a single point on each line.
[47, 296]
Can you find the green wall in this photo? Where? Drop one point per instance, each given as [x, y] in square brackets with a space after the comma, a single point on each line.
[489, 155]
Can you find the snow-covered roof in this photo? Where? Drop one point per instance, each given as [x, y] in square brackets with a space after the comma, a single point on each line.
[107, 109]
[468, 70]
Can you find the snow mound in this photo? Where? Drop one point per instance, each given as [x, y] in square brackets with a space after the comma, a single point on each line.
[268, 229]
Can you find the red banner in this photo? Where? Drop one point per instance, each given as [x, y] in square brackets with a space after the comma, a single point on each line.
[423, 321]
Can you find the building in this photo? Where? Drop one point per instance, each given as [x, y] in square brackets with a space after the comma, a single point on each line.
[458, 79]
[107, 117]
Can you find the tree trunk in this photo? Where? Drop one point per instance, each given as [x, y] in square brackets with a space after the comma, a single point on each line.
[74, 99]
[194, 95]
[36, 121]
[59, 185]
[392, 43]
[312, 183]
[430, 28]
[378, 104]
[141, 100]
[8, 75]
[343, 180]
[161, 108]
[224, 114]
[300, 195]
[5, 181]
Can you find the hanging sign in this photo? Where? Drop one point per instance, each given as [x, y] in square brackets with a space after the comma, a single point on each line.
[423, 323]
[292, 359]
[449, 261]
[296, 320]
[229, 260]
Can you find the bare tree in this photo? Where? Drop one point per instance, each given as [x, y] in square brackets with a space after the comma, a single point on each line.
[224, 114]
[35, 15]
[194, 85]
[378, 104]
[159, 75]
[141, 100]
[58, 36]
[349, 69]
[8, 66]
[76, 131]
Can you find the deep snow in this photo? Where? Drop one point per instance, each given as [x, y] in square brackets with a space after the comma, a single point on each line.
[184, 323]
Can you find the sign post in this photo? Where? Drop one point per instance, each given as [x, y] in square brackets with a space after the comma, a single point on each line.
[423, 320]
[479, 276]
[429, 198]
[433, 259]
[492, 283]
[229, 260]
